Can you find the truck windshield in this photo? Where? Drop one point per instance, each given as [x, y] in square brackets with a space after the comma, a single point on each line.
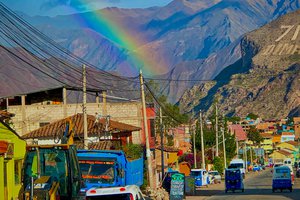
[97, 171]
[235, 165]
[52, 162]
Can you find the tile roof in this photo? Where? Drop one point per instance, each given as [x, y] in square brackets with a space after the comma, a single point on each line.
[5, 115]
[100, 145]
[266, 135]
[287, 133]
[94, 128]
[294, 143]
[286, 153]
[168, 148]
[239, 132]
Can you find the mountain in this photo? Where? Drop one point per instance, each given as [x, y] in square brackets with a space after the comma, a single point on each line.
[264, 81]
[186, 39]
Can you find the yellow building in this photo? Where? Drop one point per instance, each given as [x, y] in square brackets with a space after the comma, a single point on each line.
[11, 159]
[292, 145]
[170, 157]
[267, 143]
[280, 155]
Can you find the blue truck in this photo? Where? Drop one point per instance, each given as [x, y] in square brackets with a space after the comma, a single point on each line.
[109, 168]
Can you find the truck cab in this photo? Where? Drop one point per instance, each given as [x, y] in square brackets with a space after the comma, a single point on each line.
[53, 168]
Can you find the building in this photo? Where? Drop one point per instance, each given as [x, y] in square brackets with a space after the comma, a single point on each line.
[12, 152]
[102, 133]
[267, 143]
[280, 155]
[34, 110]
[287, 136]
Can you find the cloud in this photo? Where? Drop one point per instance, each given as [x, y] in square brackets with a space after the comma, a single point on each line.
[79, 5]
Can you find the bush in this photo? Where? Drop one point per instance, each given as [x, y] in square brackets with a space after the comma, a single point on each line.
[218, 165]
[133, 151]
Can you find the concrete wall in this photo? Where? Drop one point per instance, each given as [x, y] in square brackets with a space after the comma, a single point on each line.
[129, 113]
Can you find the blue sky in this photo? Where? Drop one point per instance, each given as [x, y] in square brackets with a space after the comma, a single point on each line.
[63, 7]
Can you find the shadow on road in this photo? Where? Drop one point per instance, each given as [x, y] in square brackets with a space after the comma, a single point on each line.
[295, 194]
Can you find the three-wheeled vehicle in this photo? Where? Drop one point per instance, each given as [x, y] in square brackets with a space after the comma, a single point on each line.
[233, 180]
[201, 177]
[282, 179]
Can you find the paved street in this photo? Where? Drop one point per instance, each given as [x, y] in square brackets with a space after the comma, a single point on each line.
[258, 185]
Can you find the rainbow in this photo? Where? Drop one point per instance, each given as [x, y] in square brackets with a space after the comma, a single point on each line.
[106, 24]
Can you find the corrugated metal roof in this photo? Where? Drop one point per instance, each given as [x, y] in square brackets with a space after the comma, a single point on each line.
[95, 128]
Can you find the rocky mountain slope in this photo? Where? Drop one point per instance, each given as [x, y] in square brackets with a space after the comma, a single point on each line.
[265, 81]
[187, 39]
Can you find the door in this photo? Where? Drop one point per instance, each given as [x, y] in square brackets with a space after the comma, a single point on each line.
[5, 181]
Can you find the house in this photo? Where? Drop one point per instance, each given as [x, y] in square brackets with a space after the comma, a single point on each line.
[103, 133]
[297, 128]
[276, 139]
[280, 155]
[35, 109]
[288, 145]
[267, 143]
[291, 146]
[12, 152]
[170, 157]
[287, 136]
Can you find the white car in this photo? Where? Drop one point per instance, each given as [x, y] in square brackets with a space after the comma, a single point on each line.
[216, 176]
[129, 192]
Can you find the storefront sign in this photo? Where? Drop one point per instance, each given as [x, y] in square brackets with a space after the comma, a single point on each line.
[10, 151]
[177, 187]
[3, 147]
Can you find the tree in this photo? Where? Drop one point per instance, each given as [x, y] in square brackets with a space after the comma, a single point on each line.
[218, 165]
[254, 135]
[252, 116]
[133, 151]
[233, 119]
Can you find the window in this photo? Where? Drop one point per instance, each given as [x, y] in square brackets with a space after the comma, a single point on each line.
[152, 127]
[44, 124]
[18, 167]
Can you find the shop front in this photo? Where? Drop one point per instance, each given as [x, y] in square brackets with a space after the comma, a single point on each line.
[12, 152]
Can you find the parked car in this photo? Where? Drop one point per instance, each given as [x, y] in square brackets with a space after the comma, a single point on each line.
[131, 192]
[216, 176]
[257, 168]
[298, 173]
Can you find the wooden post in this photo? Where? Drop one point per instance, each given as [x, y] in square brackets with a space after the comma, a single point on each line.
[104, 103]
[23, 108]
[85, 128]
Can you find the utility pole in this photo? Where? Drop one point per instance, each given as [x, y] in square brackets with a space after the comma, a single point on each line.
[202, 142]
[250, 155]
[217, 135]
[148, 152]
[237, 147]
[161, 144]
[85, 131]
[194, 147]
[224, 148]
[245, 147]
